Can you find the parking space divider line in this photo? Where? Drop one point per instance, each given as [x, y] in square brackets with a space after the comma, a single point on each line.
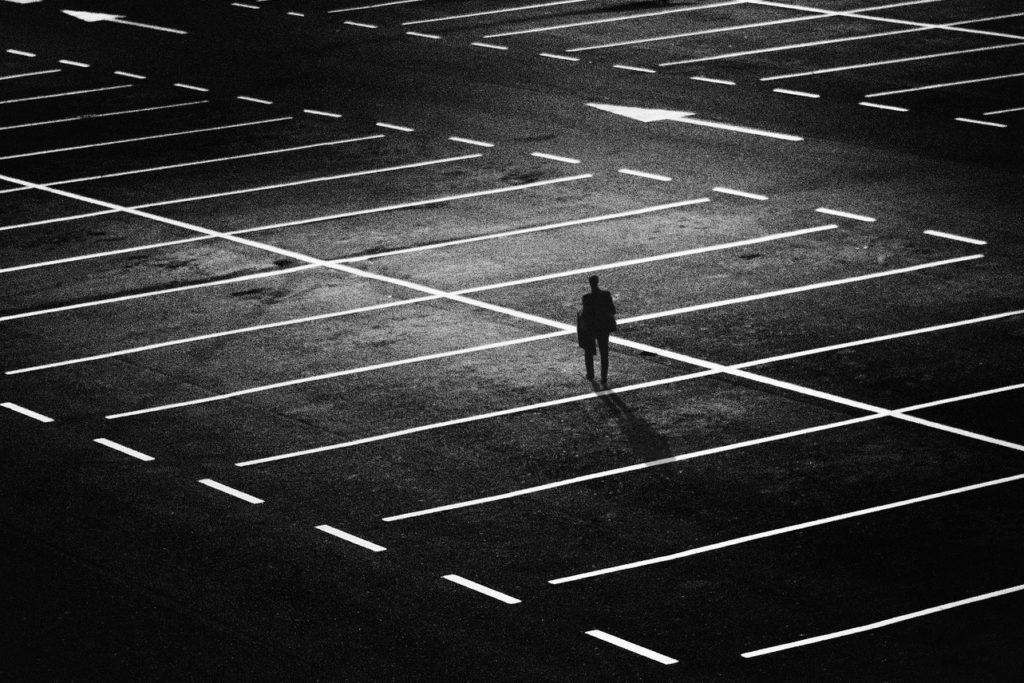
[482, 589]
[26, 412]
[361, 542]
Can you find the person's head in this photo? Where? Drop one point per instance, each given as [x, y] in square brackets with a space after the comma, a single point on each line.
[593, 282]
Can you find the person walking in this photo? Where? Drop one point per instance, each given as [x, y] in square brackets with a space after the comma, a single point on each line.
[593, 325]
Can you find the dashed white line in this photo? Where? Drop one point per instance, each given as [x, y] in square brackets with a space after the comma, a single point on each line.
[26, 412]
[565, 58]
[230, 491]
[797, 93]
[361, 542]
[430, 36]
[645, 174]
[128, 74]
[319, 112]
[631, 647]
[553, 157]
[958, 238]
[991, 124]
[949, 84]
[391, 126]
[242, 4]
[490, 46]
[641, 69]
[124, 449]
[469, 141]
[188, 86]
[883, 623]
[31, 73]
[64, 94]
[480, 588]
[887, 107]
[496, 11]
[69, 62]
[706, 79]
[740, 193]
[257, 100]
[295, 14]
[845, 214]
[21, 53]
[360, 24]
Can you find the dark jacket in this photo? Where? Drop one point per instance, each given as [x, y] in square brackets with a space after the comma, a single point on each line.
[598, 314]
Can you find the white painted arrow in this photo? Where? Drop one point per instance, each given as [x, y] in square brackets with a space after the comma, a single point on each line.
[91, 17]
[649, 115]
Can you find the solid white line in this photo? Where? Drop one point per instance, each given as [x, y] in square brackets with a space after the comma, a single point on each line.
[69, 62]
[565, 58]
[786, 530]
[147, 137]
[257, 100]
[644, 174]
[740, 129]
[740, 193]
[64, 94]
[422, 202]
[943, 85]
[404, 129]
[844, 214]
[307, 181]
[553, 157]
[868, 65]
[993, 124]
[103, 115]
[48, 221]
[360, 24]
[632, 647]
[317, 112]
[186, 86]
[124, 449]
[471, 142]
[242, 4]
[641, 15]
[634, 68]
[22, 53]
[31, 73]
[958, 238]
[964, 397]
[376, 6]
[705, 79]
[26, 412]
[295, 14]
[230, 491]
[1003, 111]
[798, 93]
[159, 292]
[883, 623]
[496, 11]
[491, 46]
[888, 107]
[215, 160]
[431, 36]
[100, 254]
[128, 74]
[480, 588]
[328, 529]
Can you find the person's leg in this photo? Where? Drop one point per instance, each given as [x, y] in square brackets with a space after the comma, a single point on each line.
[602, 342]
[588, 358]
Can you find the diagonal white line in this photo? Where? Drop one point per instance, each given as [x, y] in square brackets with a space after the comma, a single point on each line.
[951, 84]
[631, 647]
[65, 94]
[480, 588]
[105, 114]
[496, 11]
[230, 491]
[30, 73]
[362, 542]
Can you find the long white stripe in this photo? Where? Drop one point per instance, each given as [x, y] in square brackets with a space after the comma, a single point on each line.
[65, 94]
[146, 137]
[740, 129]
[375, 6]
[786, 530]
[958, 238]
[480, 588]
[361, 542]
[945, 85]
[883, 623]
[124, 449]
[100, 254]
[846, 214]
[496, 11]
[26, 412]
[48, 221]
[633, 17]
[31, 73]
[230, 491]
[105, 114]
[1003, 111]
[631, 647]
[307, 181]
[964, 397]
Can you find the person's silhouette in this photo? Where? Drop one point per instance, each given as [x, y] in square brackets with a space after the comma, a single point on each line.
[593, 325]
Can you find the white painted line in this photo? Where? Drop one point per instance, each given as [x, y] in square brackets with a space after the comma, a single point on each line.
[26, 412]
[883, 623]
[888, 107]
[844, 214]
[633, 17]
[421, 202]
[740, 129]
[552, 157]
[431, 36]
[257, 100]
[242, 4]
[147, 137]
[307, 181]
[491, 46]
[958, 238]
[943, 85]
[471, 142]
[159, 292]
[993, 124]
[964, 397]
[216, 160]
[798, 93]
[1003, 111]
[480, 588]
[360, 24]
[632, 647]
[644, 174]
[21, 53]
[740, 193]
[363, 543]
[124, 449]
[230, 491]
[786, 530]
[392, 126]
[376, 6]
[31, 73]
[186, 86]
[100, 254]
[564, 58]
[317, 112]
[64, 94]
[295, 14]
[50, 221]
[634, 68]
[69, 62]
[104, 114]
[496, 11]
[705, 79]
[128, 74]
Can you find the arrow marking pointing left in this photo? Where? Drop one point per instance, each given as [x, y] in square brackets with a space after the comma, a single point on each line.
[91, 17]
